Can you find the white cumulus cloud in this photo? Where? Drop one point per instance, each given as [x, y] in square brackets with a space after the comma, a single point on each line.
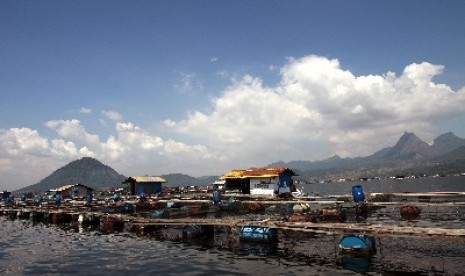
[320, 109]
[187, 82]
[85, 110]
[73, 130]
[112, 115]
[317, 109]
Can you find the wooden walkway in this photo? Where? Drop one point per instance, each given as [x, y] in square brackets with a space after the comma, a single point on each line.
[329, 228]
[375, 228]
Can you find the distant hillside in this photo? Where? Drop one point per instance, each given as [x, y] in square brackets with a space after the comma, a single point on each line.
[447, 142]
[87, 171]
[181, 180]
[409, 147]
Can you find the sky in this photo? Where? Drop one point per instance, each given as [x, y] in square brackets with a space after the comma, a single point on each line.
[204, 87]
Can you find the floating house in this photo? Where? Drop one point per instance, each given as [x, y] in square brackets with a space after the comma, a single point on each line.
[147, 185]
[72, 191]
[260, 181]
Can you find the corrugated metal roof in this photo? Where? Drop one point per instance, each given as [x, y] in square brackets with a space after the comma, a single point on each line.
[67, 187]
[148, 179]
[233, 174]
[254, 173]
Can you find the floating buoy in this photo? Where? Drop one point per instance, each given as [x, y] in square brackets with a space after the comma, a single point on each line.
[298, 218]
[216, 197]
[409, 212]
[358, 245]
[357, 193]
[258, 234]
[159, 214]
[173, 204]
[193, 231]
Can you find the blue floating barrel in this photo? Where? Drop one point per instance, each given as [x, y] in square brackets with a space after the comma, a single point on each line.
[57, 199]
[38, 199]
[173, 204]
[159, 214]
[89, 198]
[216, 197]
[258, 234]
[128, 208]
[191, 231]
[116, 197]
[360, 245]
[357, 193]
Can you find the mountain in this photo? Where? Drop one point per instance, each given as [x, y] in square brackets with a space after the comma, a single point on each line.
[409, 155]
[91, 172]
[457, 154]
[87, 171]
[447, 142]
[180, 180]
[408, 147]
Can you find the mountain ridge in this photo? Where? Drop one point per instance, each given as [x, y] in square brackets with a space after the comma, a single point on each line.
[86, 171]
[409, 153]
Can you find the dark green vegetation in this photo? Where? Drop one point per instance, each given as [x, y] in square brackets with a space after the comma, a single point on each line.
[409, 156]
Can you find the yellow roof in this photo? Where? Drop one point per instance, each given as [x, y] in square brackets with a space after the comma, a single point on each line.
[254, 173]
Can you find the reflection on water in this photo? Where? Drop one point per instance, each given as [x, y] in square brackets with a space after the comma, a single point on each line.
[356, 264]
[41, 249]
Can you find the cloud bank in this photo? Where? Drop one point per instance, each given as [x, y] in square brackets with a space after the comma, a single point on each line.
[318, 109]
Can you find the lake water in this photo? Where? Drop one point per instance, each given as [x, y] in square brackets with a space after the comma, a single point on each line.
[47, 249]
[424, 184]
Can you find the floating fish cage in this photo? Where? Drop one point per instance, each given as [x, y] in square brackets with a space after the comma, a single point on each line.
[258, 234]
[160, 214]
[194, 231]
[258, 249]
[409, 212]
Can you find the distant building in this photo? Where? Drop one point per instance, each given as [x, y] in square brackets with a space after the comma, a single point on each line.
[218, 184]
[260, 181]
[72, 191]
[147, 185]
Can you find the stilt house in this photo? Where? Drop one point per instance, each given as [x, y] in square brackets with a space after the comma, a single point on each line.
[147, 185]
[260, 181]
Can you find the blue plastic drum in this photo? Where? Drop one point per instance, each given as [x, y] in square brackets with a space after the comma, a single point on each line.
[258, 234]
[357, 193]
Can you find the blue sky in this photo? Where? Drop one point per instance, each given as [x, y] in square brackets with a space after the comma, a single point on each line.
[202, 87]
